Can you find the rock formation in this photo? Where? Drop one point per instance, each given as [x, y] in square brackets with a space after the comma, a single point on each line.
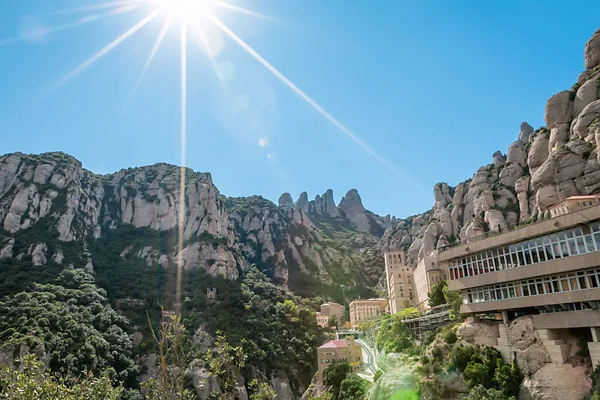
[541, 167]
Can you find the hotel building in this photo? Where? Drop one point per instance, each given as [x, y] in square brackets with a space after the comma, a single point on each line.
[549, 269]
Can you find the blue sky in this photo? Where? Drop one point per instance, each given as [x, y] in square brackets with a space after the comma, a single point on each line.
[432, 87]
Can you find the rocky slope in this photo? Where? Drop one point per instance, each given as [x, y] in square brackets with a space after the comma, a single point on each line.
[49, 202]
[542, 167]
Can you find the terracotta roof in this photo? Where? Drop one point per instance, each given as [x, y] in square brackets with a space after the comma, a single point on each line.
[594, 196]
[335, 344]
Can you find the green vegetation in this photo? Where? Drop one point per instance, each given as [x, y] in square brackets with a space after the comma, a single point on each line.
[393, 336]
[485, 367]
[436, 294]
[334, 375]
[454, 299]
[71, 321]
[406, 394]
[342, 385]
[377, 375]
[27, 383]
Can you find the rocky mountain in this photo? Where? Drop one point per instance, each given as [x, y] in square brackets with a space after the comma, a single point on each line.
[49, 202]
[542, 167]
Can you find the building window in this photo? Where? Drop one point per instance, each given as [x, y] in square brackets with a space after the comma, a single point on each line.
[580, 240]
[573, 281]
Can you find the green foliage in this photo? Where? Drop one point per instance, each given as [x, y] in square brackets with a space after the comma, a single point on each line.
[72, 321]
[175, 352]
[377, 375]
[334, 375]
[332, 321]
[454, 299]
[486, 368]
[437, 353]
[461, 355]
[450, 337]
[353, 388]
[261, 391]
[436, 294]
[478, 374]
[28, 383]
[393, 336]
[595, 390]
[481, 393]
[509, 378]
[276, 330]
[225, 362]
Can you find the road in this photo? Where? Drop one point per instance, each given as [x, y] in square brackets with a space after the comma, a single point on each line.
[368, 356]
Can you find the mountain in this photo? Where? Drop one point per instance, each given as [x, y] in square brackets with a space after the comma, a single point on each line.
[540, 168]
[49, 202]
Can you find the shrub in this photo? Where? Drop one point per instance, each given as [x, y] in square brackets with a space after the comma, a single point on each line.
[478, 374]
[461, 355]
[437, 353]
[509, 378]
[450, 337]
[481, 393]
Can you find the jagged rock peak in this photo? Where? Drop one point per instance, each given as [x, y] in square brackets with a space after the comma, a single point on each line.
[353, 209]
[302, 202]
[285, 200]
[592, 51]
[327, 204]
[526, 131]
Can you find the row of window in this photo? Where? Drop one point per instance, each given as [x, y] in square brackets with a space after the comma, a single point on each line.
[581, 280]
[580, 240]
[577, 306]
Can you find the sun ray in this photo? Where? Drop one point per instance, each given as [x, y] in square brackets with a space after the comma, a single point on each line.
[308, 99]
[153, 52]
[67, 25]
[233, 7]
[204, 44]
[104, 51]
[111, 4]
[183, 160]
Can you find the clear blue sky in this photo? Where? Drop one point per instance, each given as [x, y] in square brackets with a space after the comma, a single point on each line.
[433, 87]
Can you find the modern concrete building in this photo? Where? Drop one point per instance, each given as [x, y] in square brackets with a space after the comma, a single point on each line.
[400, 281]
[338, 351]
[549, 269]
[573, 204]
[428, 273]
[328, 310]
[365, 310]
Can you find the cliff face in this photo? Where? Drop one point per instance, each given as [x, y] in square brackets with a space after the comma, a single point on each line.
[540, 168]
[48, 202]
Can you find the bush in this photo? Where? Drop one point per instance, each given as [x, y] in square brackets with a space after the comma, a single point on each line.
[478, 374]
[450, 337]
[437, 353]
[509, 378]
[461, 355]
[436, 294]
[481, 393]
[353, 388]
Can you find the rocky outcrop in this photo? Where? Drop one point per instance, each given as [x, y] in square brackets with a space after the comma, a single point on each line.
[353, 209]
[592, 51]
[556, 382]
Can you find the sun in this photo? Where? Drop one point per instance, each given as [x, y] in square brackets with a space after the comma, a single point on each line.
[185, 10]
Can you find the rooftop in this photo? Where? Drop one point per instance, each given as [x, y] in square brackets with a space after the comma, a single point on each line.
[573, 198]
[340, 343]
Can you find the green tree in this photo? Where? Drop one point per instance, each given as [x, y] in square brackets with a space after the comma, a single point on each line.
[478, 374]
[225, 363]
[332, 321]
[175, 352]
[334, 375]
[353, 388]
[454, 299]
[481, 393]
[261, 391]
[27, 383]
[436, 294]
[509, 378]
[461, 355]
